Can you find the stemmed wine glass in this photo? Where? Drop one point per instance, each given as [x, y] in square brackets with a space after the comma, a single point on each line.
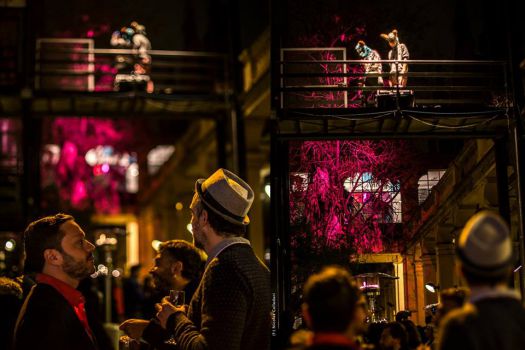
[177, 298]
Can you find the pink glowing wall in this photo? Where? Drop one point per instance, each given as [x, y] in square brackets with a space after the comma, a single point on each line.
[81, 186]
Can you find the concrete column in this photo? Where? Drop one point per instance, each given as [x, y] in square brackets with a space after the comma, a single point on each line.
[428, 261]
[415, 300]
[410, 282]
[419, 316]
[446, 265]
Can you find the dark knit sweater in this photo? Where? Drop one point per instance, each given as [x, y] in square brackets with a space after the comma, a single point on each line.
[231, 307]
[488, 324]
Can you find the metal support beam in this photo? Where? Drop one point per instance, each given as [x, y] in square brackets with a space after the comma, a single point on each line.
[520, 186]
[502, 160]
[220, 130]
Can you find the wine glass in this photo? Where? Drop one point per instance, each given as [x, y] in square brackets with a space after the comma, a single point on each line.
[177, 298]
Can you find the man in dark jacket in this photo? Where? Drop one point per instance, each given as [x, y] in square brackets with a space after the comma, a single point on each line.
[179, 267]
[53, 315]
[334, 309]
[231, 307]
[494, 318]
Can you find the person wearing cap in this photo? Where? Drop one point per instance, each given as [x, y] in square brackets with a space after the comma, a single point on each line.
[494, 317]
[368, 54]
[399, 52]
[231, 307]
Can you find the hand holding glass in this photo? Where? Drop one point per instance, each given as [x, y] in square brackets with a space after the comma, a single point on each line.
[177, 297]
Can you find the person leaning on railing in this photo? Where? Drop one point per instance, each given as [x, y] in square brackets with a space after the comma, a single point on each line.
[398, 52]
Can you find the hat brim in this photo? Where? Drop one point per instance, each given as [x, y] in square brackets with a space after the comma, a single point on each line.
[492, 271]
[222, 213]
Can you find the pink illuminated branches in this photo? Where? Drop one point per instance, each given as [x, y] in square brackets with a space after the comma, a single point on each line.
[333, 32]
[346, 195]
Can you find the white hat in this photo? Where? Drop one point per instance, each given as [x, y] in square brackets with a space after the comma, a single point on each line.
[485, 246]
[227, 195]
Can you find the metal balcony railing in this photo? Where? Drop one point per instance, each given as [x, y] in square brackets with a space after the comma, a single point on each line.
[76, 65]
[323, 77]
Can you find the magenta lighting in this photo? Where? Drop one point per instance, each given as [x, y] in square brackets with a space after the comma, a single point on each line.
[91, 162]
[348, 194]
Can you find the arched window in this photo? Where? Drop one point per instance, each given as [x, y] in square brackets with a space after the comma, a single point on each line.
[427, 181]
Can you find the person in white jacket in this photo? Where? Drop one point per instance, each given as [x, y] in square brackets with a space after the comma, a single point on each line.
[398, 52]
[370, 69]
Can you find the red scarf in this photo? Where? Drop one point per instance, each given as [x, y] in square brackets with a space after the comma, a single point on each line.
[73, 297]
[333, 339]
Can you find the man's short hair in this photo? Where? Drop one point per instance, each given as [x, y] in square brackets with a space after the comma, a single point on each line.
[398, 331]
[457, 296]
[331, 296]
[190, 257]
[41, 235]
[222, 226]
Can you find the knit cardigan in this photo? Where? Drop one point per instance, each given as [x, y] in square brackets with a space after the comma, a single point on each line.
[231, 307]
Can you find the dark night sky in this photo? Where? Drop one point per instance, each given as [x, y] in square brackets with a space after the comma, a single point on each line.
[171, 24]
[444, 29]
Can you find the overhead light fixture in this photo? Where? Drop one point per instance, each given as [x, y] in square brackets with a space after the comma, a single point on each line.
[431, 287]
[10, 245]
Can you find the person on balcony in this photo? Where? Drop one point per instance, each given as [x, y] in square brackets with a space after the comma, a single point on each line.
[370, 70]
[121, 39]
[398, 52]
[134, 70]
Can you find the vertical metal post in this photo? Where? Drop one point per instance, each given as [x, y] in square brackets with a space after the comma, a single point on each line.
[108, 294]
[502, 176]
[31, 127]
[518, 145]
[220, 124]
[237, 120]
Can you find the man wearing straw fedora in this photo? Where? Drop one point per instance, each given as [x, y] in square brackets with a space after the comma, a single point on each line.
[231, 307]
[494, 317]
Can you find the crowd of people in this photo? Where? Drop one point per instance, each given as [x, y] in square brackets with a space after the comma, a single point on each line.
[227, 291]
[486, 315]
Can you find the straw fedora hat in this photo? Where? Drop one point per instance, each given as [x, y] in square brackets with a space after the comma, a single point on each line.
[485, 246]
[226, 195]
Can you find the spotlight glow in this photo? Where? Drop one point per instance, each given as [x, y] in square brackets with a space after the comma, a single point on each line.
[267, 189]
[10, 245]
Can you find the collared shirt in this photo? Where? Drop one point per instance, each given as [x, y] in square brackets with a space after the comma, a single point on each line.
[486, 292]
[73, 297]
[225, 243]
